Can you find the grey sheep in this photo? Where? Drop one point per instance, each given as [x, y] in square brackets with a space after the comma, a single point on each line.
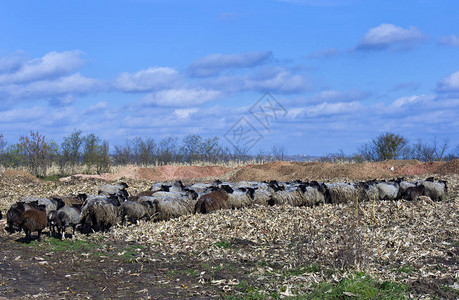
[134, 211]
[50, 204]
[341, 192]
[312, 195]
[437, 191]
[69, 216]
[54, 223]
[170, 205]
[387, 190]
[118, 190]
[99, 213]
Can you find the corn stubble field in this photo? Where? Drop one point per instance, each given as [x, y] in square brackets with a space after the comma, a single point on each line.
[356, 250]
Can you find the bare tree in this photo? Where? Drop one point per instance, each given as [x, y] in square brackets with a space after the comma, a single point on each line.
[385, 147]
[278, 152]
[38, 152]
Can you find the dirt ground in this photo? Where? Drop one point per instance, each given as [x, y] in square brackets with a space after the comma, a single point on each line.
[274, 251]
[282, 171]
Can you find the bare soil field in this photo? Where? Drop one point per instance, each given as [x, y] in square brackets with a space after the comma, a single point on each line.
[408, 248]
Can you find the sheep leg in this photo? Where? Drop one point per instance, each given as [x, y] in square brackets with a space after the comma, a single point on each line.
[39, 235]
[63, 232]
[74, 229]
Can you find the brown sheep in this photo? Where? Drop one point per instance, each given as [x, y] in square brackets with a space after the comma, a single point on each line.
[212, 201]
[34, 220]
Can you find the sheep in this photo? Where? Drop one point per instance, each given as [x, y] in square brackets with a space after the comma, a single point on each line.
[238, 198]
[177, 186]
[99, 213]
[340, 192]
[262, 197]
[134, 211]
[387, 190]
[50, 204]
[157, 187]
[14, 217]
[312, 195]
[71, 200]
[69, 216]
[212, 201]
[289, 196]
[437, 191]
[170, 205]
[34, 220]
[54, 222]
[412, 192]
[200, 188]
[118, 190]
[141, 194]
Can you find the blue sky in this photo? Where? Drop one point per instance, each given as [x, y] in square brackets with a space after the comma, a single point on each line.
[345, 71]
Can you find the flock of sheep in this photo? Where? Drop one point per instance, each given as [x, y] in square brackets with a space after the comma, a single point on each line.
[113, 204]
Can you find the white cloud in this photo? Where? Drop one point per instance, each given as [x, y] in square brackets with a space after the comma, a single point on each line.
[151, 79]
[338, 96]
[184, 113]
[389, 36]
[20, 115]
[72, 84]
[276, 80]
[451, 40]
[409, 100]
[96, 108]
[51, 65]
[449, 84]
[214, 63]
[324, 109]
[180, 97]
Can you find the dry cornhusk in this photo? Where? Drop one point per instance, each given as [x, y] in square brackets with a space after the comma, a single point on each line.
[420, 234]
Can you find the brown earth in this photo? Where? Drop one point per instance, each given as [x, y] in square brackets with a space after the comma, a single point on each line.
[284, 171]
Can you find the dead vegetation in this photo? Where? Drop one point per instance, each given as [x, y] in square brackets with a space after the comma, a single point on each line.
[265, 251]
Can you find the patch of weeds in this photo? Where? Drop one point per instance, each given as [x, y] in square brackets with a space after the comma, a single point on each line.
[303, 269]
[98, 254]
[192, 272]
[250, 292]
[223, 244]
[405, 269]
[359, 286]
[57, 245]
[455, 243]
[130, 253]
[449, 290]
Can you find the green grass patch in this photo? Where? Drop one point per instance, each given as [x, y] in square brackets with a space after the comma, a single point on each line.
[57, 245]
[130, 253]
[405, 269]
[303, 269]
[359, 286]
[223, 244]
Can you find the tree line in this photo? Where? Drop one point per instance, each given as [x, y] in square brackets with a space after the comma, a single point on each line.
[388, 145]
[37, 153]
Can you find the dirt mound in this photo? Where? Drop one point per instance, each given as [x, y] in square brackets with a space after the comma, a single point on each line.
[451, 167]
[18, 176]
[326, 171]
[162, 173]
